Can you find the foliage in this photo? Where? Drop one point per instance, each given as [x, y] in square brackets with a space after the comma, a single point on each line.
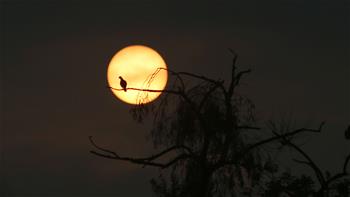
[302, 186]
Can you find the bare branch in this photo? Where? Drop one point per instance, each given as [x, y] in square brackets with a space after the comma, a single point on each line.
[302, 162]
[146, 161]
[309, 161]
[284, 135]
[323, 182]
[336, 176]
[239, 76]
[102, 149]
[235, 79]
[177, 76]
[199, 77]
[266, 141]
[248, 127]
[217, 82]
[179, 93]
[147, 90]
[233, 74]
[342, 174]
[347, 160]
[234, 60]
[142, 161]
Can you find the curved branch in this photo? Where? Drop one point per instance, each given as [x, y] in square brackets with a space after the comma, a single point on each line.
[199, 77]
[146, 161]
[334, 178]
[266, 141]
[323, 182]
[340, 175]
[191, 75]
[239, 76]
[102, 149]
[218, 83]
[309, 162]
[176, 74]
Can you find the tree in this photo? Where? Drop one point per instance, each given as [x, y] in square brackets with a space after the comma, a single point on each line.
[330, 185]
[209, 132]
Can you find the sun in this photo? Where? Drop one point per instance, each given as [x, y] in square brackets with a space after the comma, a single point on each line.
[142, 68]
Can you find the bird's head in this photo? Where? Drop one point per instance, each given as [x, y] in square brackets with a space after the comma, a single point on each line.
[120, 77]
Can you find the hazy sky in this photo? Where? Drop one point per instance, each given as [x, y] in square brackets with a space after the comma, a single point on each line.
[54, 57]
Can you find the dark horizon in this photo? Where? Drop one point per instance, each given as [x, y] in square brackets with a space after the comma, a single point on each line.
[54, 57]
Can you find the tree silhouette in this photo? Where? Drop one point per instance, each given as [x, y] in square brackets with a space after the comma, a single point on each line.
[211, 145]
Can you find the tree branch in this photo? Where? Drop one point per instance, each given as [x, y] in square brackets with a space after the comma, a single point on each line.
[233, 74]
[339, 175]
[318, 172]
[147, 90]
[217, 82]
[248, 127]
[285, 135]
[102, 149]
[179, 93]
[146, 161]
[302, 162]
[240, 74]
[347, 160]
[177, 75]
[266, 141]
[309, 161]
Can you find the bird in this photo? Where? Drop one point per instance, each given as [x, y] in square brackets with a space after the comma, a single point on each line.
[122, 83]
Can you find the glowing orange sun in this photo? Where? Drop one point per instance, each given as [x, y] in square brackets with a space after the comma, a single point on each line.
[140, 67]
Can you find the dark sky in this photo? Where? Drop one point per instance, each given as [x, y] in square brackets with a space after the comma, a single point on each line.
[54, 57]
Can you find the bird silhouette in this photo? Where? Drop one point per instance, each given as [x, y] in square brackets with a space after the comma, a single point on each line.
[122, 83]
